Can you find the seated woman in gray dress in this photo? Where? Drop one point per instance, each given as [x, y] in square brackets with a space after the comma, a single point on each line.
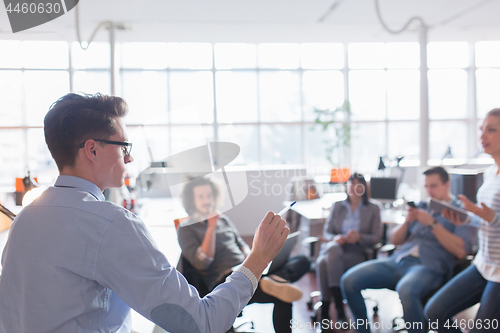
[352, 227]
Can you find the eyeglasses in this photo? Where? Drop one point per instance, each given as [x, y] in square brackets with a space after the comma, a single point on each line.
[126, 146]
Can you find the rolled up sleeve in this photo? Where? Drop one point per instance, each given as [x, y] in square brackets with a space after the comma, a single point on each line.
[203, 258]
[191, 250]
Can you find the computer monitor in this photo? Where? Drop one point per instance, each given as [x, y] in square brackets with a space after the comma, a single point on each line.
[466, 182]
[384, 190]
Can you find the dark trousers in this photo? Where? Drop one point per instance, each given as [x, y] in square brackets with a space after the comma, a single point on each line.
[293, 269]
[282, 312]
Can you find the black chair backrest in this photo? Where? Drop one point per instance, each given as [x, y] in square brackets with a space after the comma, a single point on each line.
[194, 277]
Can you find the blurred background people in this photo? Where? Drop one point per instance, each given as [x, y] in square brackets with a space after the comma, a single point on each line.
[351, 229]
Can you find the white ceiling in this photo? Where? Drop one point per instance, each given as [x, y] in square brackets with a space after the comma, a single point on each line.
[270, 20]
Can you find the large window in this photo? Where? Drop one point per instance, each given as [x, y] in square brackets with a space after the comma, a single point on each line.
[260, 96]
[384, 91]
[28, 86]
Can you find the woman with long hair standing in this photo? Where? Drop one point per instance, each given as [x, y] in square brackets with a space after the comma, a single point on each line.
[480, 282]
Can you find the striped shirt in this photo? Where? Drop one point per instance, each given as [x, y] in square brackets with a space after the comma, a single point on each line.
[487, 259]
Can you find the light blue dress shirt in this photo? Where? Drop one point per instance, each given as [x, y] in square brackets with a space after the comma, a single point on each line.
[431, 253]
[76, 263]
[351, 220]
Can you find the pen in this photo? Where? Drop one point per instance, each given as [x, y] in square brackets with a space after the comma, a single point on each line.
[286, 209]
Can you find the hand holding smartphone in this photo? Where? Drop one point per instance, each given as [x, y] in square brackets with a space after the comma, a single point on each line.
[412, 213]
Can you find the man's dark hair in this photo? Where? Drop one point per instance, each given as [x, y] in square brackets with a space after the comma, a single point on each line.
[361, 180]
[443, 174]
[74, 119]
[188, 193]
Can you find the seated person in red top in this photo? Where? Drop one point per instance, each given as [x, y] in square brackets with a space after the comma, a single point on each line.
[213, 246]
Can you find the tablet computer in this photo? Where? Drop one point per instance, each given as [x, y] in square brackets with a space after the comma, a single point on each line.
[437, 206]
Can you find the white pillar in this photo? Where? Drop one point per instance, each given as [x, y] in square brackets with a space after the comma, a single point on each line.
[424, 110]
[424, 99]
[112, 63]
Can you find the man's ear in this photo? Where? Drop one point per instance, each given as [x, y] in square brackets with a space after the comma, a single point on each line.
[90, 150]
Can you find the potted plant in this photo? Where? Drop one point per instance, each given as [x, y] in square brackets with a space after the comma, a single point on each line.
[336, 123]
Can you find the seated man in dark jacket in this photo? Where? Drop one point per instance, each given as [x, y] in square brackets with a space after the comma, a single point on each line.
[211, 243]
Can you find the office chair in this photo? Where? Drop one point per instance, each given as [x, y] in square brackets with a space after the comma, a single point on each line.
[315, 307]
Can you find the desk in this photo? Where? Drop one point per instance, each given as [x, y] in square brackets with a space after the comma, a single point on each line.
[160, 212]
[316, 210]
[392, 217]
[312, 216]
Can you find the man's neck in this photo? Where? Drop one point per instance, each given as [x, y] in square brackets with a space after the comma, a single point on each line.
[202, 216]
[446, 198]
[199, 217]
[69, 171]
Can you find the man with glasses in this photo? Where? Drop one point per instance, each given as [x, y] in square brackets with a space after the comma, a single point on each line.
[76, 263]
[126, 146]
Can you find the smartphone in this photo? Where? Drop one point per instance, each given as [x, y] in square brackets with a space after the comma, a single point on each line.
[412, 204]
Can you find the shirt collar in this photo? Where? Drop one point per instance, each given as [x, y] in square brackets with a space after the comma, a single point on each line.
[455, 201]
[347, 205]
[80, 183]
